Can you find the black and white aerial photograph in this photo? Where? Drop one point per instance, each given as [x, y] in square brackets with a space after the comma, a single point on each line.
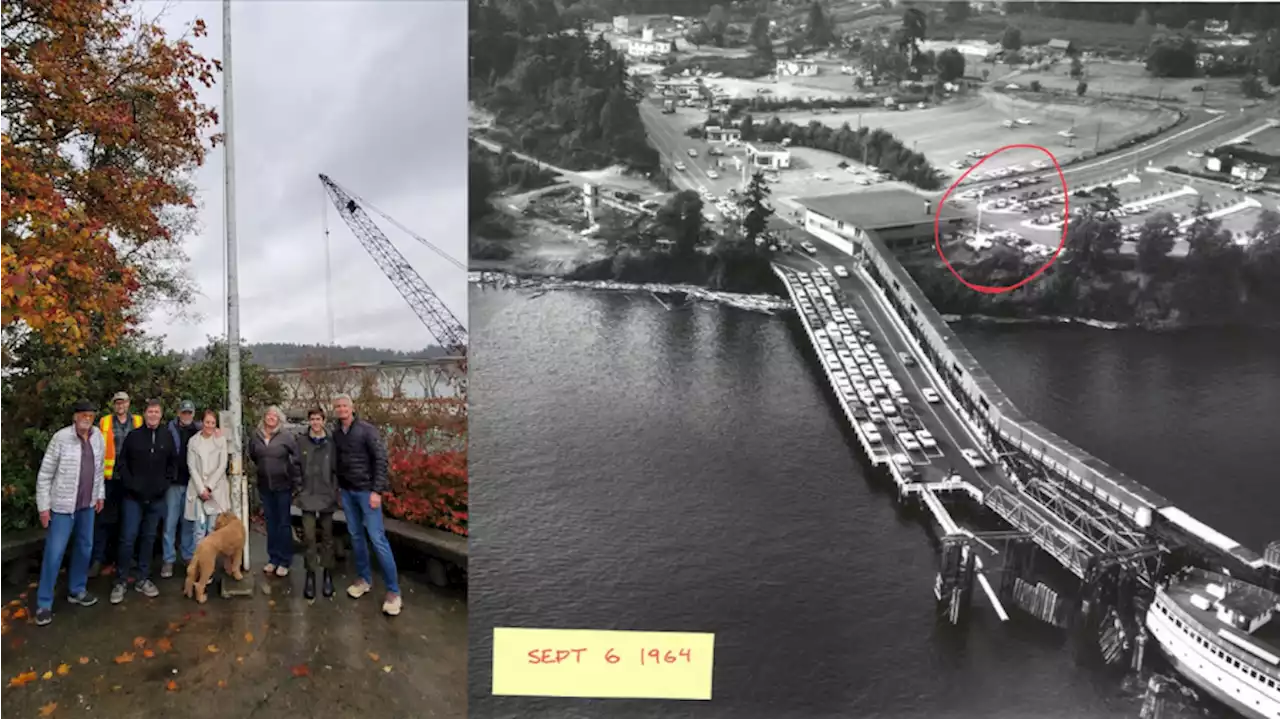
[925, 353]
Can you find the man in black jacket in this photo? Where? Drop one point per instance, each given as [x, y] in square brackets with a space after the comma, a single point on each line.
[362, 478]
[146, 466]
[177, 532]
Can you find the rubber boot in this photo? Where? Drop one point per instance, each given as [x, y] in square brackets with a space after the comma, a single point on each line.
[328, 584]
[309, 589]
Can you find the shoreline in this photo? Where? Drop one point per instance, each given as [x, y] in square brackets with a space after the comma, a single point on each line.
[763, 303]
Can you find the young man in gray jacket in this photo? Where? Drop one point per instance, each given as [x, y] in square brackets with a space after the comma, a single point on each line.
[70, 489]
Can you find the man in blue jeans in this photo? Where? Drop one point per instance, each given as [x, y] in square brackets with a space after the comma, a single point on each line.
[145, 469]
[362, 478]
[178, 533]
[69, 491]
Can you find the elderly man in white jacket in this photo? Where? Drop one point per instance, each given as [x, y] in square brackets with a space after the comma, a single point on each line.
[69, 491]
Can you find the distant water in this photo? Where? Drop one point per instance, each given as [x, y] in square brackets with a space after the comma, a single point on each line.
[635, 468]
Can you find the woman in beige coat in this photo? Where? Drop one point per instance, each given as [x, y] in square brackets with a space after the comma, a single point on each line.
[208, 490]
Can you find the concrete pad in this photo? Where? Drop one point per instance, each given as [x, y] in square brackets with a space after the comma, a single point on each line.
[272, 655]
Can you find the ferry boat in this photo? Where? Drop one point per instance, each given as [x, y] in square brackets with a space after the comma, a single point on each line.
[1224, 636]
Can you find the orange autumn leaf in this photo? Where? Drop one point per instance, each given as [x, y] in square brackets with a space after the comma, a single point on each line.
[212, 648]
[84, 660]
[139, 642]
[48, 709]
[301, 670]
[124, 658]
[163, 644]
[23, 679]
[222, 683]
[248, 637]
[20, 613]
[148, 653]
[4, 613]
[171, 685]
[373, 656]
[64, 669]
[47, 675]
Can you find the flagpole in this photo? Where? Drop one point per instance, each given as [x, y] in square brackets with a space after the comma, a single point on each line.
[235, 432]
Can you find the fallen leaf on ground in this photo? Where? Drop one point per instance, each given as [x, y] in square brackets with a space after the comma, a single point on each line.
[64, 669]
[17, 642]
[48, 709]
[84, 660]
[124, 658]
[47, 675]
[373, 656]
[139, 642]
[239, 660]
[271, 603]
[4, 613]
[212, 648]
[222, 683]
[148, 653]
[248, 637]
[387, 669]
[15, 603]
[117, 687]
[20, 613]
[301, 670]
[163, 644]
[22, 679]
[33, 585]
[171, 685]
[202, 613]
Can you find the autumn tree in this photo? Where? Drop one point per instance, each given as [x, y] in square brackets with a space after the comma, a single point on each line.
[103, 128]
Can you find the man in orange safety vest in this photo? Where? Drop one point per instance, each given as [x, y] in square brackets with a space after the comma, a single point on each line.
[114, 428]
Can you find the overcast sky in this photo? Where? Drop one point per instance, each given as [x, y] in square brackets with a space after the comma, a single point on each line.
[371, 93]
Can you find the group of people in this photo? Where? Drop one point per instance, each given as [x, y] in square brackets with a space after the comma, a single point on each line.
[171, 479]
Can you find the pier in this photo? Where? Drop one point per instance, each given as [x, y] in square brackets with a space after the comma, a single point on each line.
[1106, 529]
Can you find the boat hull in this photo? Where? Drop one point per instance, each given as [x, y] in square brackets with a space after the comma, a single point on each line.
[1177, 649]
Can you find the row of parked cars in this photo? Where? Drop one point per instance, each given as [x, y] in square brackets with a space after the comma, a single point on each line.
[862, 377]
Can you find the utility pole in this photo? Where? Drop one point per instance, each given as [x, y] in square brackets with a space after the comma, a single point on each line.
[235, 432]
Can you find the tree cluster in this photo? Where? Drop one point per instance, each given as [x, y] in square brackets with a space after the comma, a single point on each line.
[561, 96]
[878, 148]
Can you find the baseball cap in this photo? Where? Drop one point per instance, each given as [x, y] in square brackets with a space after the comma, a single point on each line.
[83, 405]
[186, 406]
[120, 396]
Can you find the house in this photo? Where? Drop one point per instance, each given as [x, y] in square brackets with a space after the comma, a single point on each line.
[769, 155]
[722, 134]
[627, 24]
[901, 218]
[800, 68]
[646, 46]
[1066, 47]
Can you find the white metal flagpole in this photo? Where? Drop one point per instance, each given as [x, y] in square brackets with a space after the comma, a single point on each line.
[235, 432]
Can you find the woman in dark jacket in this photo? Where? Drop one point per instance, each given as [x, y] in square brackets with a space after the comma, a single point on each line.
[274, 452]
[318, 500]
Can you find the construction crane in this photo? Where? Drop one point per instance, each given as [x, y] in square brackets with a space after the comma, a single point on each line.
[440, 322]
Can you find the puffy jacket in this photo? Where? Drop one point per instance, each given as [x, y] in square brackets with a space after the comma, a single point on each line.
[148, 462]
[58, 481]
[362, 457]
[277, 460]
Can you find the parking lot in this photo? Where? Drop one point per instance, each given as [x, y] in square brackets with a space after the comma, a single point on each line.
[851, 355]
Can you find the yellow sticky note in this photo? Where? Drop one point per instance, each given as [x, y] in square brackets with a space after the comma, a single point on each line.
[602, 664]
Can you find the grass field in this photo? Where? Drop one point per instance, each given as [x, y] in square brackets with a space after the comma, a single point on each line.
[946, 133]
[1086, 34]
[1131, 78]
[1267, 141]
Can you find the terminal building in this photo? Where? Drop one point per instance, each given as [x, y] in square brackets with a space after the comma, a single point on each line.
[902, 219]
[768, 155]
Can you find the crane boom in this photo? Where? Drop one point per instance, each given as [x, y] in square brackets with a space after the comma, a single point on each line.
[440, 322]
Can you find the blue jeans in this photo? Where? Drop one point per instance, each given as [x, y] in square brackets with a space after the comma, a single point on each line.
[276, 504]
[176, 529]
[76, 529]
[362, 519]
[138, 518]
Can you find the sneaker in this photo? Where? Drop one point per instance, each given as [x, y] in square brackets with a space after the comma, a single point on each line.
[84, 599]
[95, 569]
[358, 589]
[43, 617]
[166, 570]
[282, 571]
[268, 568]
[147, 588]
[117, 592]
[391, 605]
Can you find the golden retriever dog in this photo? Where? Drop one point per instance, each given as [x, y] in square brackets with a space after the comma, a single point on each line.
[225, 541]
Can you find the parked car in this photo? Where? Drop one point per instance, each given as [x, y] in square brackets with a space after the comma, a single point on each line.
[973, 458]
